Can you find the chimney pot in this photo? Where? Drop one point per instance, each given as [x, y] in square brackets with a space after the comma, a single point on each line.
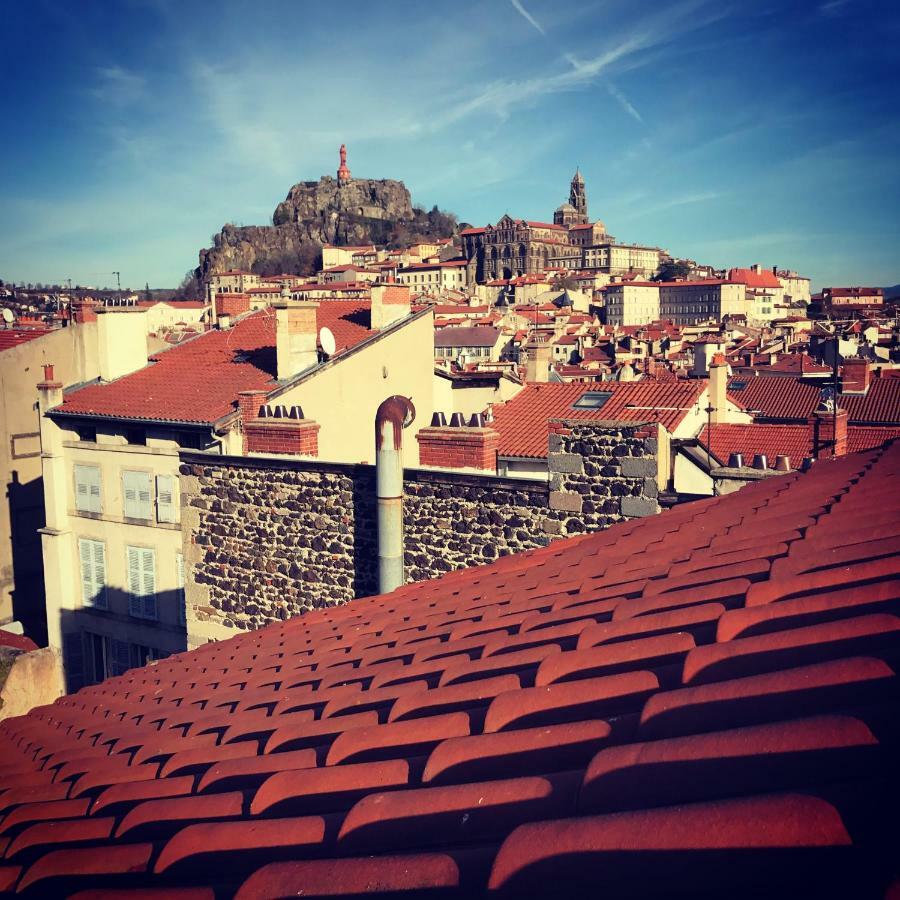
[457, 420]
[782, 463]
[438, 420]
[760, 461]
[48, 372]
[807, 464]
[477, 421]
[736, 461]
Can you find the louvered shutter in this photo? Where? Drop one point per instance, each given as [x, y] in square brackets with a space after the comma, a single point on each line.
[73, 659]
[135, 596]
[136, 489]
[165, 498]
[148, 583]
[92, 555]
[87, 489]
[118, 657]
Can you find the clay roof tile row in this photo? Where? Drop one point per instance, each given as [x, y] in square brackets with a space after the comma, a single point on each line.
[702, 703]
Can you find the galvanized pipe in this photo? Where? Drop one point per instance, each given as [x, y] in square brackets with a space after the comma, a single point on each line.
[394, 414]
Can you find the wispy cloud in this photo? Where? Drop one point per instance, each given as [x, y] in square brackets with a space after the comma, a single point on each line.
[675, 202]
[118, 86]
[527, 16]
[623, 101]
[833, 7]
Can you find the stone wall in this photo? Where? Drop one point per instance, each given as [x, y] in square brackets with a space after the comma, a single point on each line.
[271, 538]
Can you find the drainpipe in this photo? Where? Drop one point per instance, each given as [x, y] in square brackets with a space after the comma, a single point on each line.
[394, 414]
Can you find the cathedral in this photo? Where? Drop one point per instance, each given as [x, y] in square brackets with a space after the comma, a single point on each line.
[575, 211]
[515, 247]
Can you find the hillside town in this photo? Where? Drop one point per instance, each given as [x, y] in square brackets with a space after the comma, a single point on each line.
[526, 523]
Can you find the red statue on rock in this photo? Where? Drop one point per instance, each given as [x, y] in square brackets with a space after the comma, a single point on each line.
[343, 173]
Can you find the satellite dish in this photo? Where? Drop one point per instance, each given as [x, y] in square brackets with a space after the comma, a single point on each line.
[326, 341]
[8, 316]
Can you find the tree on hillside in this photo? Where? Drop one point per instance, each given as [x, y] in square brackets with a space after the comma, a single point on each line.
[564, 282]
[191, 287]
[672, 270]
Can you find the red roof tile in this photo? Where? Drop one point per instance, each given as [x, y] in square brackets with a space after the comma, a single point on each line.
[13, 337]
[198, 380]
[523, 422]
[795, 441]
[578, 721]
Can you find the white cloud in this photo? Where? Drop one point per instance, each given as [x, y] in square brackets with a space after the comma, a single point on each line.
[118, 86]
[527, 16]
[622, 100]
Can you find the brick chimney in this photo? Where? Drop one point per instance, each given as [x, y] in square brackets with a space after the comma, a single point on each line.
[855, 376]
[390, 303]
[458, 446]
[829, 432]
[296, 333]
[82, 310]
[121, 340]
[280, 429]
[718, 388]
[537, 365]
[232, 305]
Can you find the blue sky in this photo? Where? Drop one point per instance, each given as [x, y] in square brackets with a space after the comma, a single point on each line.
[726, 131]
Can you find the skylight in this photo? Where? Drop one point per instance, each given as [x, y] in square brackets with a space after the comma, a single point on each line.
[737, 385]
[591, 400]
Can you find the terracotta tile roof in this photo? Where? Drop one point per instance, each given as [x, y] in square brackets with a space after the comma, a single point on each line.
[706, 698]
[198, 381]
[766, 278]
[467, 336]
[523, 422]
[790, 399]
[795, 441]
[799, 363]
[13, 337]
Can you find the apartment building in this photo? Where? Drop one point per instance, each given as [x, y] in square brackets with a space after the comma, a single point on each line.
[437, 276]
[113, 552]
[632, 303]
[691, 302]
[622, 259]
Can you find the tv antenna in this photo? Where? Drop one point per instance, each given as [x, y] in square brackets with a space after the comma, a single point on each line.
[118, 280]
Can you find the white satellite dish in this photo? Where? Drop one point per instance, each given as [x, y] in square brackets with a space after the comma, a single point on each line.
[326, 341]
[8, 316]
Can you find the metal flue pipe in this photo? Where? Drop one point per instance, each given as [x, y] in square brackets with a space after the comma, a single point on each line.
[394, 414]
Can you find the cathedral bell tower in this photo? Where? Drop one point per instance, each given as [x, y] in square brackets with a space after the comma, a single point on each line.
[578, 198]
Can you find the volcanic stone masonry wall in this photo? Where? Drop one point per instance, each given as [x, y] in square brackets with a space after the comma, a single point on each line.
[268, 539]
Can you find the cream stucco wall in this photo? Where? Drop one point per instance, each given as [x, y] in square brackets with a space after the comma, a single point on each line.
[344, 397]
[73, 353]
[65, 605]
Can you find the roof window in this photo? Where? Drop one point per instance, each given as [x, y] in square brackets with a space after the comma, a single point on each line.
[591, 400]
[737, 385]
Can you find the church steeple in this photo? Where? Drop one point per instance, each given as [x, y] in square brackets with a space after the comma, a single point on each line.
[578, 197]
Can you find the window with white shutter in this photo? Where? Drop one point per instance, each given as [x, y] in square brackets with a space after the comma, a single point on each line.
[180, 600]
[165, 499]
[142, 582]
[137, 491]
[92, 555]
[118, 657]
[87, 489]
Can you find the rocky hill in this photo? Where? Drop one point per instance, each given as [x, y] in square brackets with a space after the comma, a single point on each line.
[351, 212]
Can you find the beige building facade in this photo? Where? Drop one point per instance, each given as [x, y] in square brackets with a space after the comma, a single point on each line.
[691, 302]
[117, 569]
[632, 303]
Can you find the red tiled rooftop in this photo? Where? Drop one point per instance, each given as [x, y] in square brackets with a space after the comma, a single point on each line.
[765, 279]
[701, 704]
[198, 381]
[523, 422]
[13, 337]
[790, 399]
[795, 441]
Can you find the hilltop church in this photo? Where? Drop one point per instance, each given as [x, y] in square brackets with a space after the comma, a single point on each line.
[515, 247]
